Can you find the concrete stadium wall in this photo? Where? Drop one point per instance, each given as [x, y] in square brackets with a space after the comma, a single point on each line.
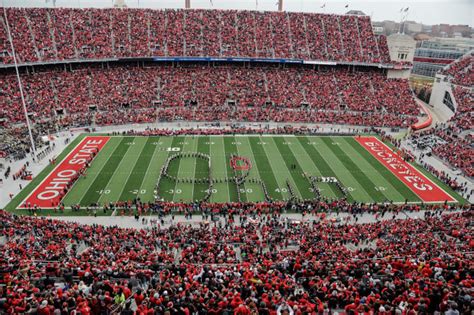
[440, 87]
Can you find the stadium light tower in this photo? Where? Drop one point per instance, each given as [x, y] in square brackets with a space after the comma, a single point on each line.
[280, 5]
[33, 147]
[187, 4]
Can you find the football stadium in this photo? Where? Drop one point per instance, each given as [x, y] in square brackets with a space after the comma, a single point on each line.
[250, 158]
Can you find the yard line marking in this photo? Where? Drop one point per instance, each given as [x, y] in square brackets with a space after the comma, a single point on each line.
[151, 162]
[182, 143]
[245, 182]
[79, 200]
[169, 184]
[271, 180]
[99, 201]
[254, 162]
[284, 167]
[224, 172]
[195, 149]
[391, 192]
[155, 159]
[304, 155]
[355, 170]
[279, 180]
[131, 171]
[285, 150]
[343, 179]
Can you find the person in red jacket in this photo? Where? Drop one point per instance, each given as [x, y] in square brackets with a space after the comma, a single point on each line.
[44, 308]
[242, 310]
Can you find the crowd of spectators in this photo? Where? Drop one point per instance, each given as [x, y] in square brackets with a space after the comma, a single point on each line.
[455, 149]
[263, 265]
[456, 146]
[15, 142]
[463, 116]
[460, 71]
[46, 34]
[131, 94]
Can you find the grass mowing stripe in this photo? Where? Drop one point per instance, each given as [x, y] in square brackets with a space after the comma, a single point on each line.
[202, 168]
[253, 191]
[219, 170]
[167, 186]
[151, 175]
[320, 162]
[265, 169]
[80, 187]
[131, 189]
[124, 170]
[302, 184]
[403, 191]
[184, 191]
[243, 150]
[230, 148]
[343, 174]
[384, 186]
[354, 169]
[279, 168]
[309, 167]
[93, 193]
[254, 171]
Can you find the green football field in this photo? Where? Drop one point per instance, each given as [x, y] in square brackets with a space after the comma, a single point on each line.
[284, 166]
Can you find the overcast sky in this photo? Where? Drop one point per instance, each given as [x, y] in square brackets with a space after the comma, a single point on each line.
[425, 11]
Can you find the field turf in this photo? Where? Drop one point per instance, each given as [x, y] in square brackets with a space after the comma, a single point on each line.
[128, 167]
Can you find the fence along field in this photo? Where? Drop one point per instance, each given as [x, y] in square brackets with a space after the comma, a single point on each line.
[240, 168]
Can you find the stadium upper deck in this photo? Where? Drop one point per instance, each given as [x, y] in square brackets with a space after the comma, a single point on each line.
[460, 72]
[45, 35]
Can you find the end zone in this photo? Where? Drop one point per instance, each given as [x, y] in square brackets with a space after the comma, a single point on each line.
[49, 193]
[423, 187]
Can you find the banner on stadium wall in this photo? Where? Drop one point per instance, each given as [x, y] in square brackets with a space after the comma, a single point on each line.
[231, 59]
[316, 62]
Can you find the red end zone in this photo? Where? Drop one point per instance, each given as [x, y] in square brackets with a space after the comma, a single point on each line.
[416, 181]
[52, 189]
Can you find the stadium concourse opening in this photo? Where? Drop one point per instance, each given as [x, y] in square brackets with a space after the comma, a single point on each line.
[227, 162]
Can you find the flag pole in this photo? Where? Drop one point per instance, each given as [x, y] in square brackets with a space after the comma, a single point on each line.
[33, 147]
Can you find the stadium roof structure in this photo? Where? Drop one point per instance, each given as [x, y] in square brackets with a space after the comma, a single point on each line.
[355, 12]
